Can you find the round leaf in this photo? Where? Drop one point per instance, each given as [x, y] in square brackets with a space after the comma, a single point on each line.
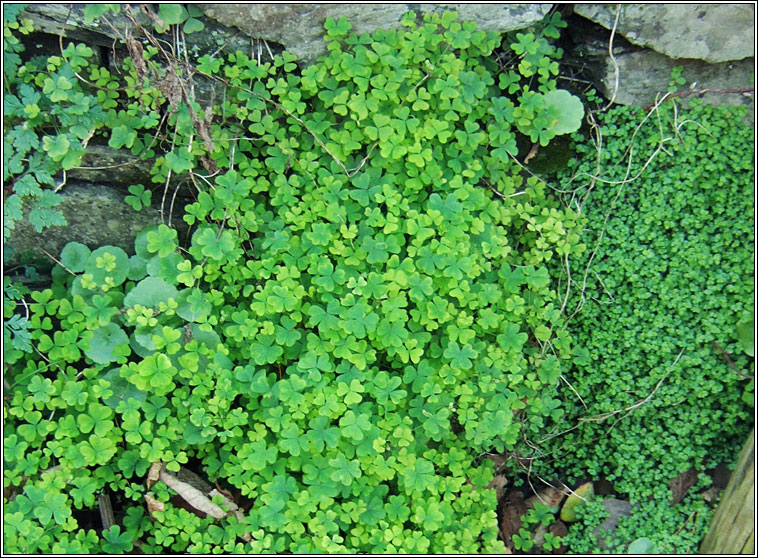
[569, 108]
[74, 256]
[140, 243]
[103, 342]
[108, 264]
[139, 348]
[137, 268]
[746, 336]
[643, 545]
[165, 267]
[150, 292]
[122, 389]
[192, 305]
[208, 338]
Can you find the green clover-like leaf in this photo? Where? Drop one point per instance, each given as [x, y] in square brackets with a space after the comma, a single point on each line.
[163, 241]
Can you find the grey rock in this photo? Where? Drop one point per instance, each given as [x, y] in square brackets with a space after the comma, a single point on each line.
[102, 164]
[97, 216]
[300, 27]
[710, 32]
[645, 74]
[68, 20]
[616, 510]
[105, 165]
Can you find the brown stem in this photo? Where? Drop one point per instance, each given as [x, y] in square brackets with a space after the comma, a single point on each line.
[728, 359]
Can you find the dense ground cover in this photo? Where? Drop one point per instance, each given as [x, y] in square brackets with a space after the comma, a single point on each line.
[664, 383]
[375, 295]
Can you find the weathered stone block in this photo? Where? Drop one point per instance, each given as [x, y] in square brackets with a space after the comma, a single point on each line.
[645, 73]
[710, 32]
[97, 215]
[68, 20]
[300, 27]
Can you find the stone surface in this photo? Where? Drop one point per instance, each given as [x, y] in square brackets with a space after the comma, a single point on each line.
[300, 27]
[645, 73]
[710, 32]
[103, 164]
[97, 216]
[616, 510]
[68, 20]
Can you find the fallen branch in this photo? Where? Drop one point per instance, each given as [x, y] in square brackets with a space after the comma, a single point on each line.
[728, 359]
[192, 495]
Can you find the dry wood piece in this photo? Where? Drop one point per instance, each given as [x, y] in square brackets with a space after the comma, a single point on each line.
[106, 509]
[198, 494]
[550, 496]
[532, 153]
[557, 529]
[732, 530]
[154, 474]
[499, 483]
[681, 485]
[513, 508]
[153, 505]
[192, 495]
[235, 509]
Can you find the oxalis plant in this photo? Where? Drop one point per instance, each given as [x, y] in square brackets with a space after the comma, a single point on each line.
[365, 308]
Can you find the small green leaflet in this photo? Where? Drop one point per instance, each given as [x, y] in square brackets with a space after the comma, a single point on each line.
[345, 471]
[460, 357]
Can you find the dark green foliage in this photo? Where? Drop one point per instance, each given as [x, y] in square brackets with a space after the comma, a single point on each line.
[652, 527]
[660, 369]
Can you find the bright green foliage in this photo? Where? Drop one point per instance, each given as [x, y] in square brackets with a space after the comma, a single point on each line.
[16, 334]
[50, 116]
[175, 14]
[366, 305]
[551, 542]
[676, 79]
[540, 514]
[117, 542]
